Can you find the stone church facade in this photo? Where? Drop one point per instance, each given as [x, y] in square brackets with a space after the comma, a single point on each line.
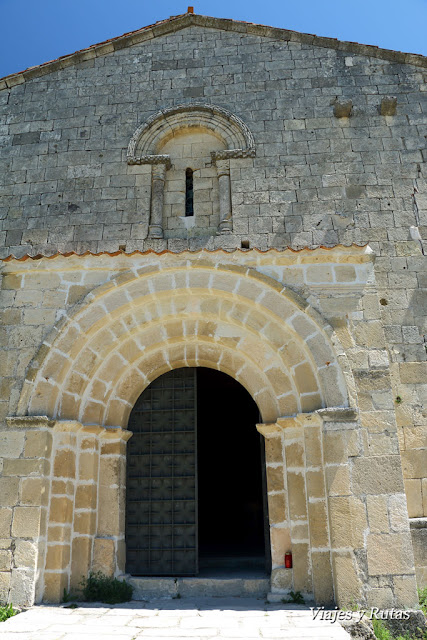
[205, 193]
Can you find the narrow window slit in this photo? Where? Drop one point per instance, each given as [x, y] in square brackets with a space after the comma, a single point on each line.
[189, 193]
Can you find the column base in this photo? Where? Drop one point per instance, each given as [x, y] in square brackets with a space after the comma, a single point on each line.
[155, 231]
[224, 228]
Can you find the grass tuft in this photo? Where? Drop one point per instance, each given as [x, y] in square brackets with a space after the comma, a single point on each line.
[7, 611]
[422, 596]
[100, 588]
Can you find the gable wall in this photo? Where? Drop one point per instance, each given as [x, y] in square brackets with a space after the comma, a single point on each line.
[316, 179]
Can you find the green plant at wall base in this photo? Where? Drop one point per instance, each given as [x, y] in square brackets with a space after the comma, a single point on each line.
[382, 633]
[100, 588]
[422, 596]
[295, 598]
[66, 597]
[7, 611]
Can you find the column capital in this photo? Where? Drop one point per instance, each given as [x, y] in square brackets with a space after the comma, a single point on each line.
[30, 422]
[73, 426]
[270, 430]
[223, 167]
[158, 171]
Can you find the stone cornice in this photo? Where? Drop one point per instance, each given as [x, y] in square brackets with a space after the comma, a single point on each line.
[73, 426]
[176, 23]
[339, 416]
[30, 422]
[337, 254]
[151, 159]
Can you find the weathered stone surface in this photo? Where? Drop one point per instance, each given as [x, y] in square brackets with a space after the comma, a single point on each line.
[388, 554]
[26, 522]
[359, 629]
[65, 464]
[415, 625]
[104, 556]
[347, 585]
[61, 510]
[9, 492]
[376, 475]
[388, 106]
[343, 109]
[11, 444]
[5, 577]
[25, 554]
[22, 586]
[325, 327]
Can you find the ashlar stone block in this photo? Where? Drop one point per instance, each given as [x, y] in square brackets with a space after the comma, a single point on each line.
[26, 522]
[297, 496]
[377, 475]
[378, 514]
[64, 464]
[5, 522]
[9, 488]
[276, 508]
[57, 557]
[61, 510]
[22, 586]
[275, 478]
[322, 578]
[26, 553]
[38, 444]
[390, 554]
[54, 585]
[104, 556]
[348, 587]
[80, 563]
[34, 492]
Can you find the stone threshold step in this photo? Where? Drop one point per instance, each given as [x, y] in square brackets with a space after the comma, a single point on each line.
[148, 588]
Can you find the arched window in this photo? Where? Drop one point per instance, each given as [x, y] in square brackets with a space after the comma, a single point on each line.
[189, 193]
[205, 137]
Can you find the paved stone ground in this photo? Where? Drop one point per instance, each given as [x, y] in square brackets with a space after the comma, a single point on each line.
[221, 618]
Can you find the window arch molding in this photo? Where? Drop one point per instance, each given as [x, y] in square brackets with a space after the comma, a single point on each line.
[149, 137]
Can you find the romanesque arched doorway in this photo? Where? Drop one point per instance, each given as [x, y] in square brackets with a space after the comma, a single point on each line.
[196, 499]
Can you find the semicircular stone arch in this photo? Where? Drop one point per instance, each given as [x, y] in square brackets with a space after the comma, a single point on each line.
[131, 330]
[154, 133]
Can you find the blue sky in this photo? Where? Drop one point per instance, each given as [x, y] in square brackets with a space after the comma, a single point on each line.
[35, 31]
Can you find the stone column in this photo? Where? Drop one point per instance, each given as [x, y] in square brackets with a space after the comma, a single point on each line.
[307, 506]
[155, 229]
[26, 447]
[223, 171]
[298, 507]
[109, 554]
[278, 513]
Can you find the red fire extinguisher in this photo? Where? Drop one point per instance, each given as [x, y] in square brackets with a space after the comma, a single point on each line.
[288, 560]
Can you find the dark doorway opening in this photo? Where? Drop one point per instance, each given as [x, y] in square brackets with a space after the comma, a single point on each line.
[232, 510]
[196, 494]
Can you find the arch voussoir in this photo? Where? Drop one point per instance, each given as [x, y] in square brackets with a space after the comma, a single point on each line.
[225, 316]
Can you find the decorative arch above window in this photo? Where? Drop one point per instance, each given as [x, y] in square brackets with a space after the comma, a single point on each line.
[150, 138]
[152, 135]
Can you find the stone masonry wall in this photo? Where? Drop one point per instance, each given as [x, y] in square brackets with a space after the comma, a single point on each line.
[344, 481]
[316, 180]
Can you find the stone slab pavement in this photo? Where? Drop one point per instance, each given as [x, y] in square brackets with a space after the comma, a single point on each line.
[201, 618]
